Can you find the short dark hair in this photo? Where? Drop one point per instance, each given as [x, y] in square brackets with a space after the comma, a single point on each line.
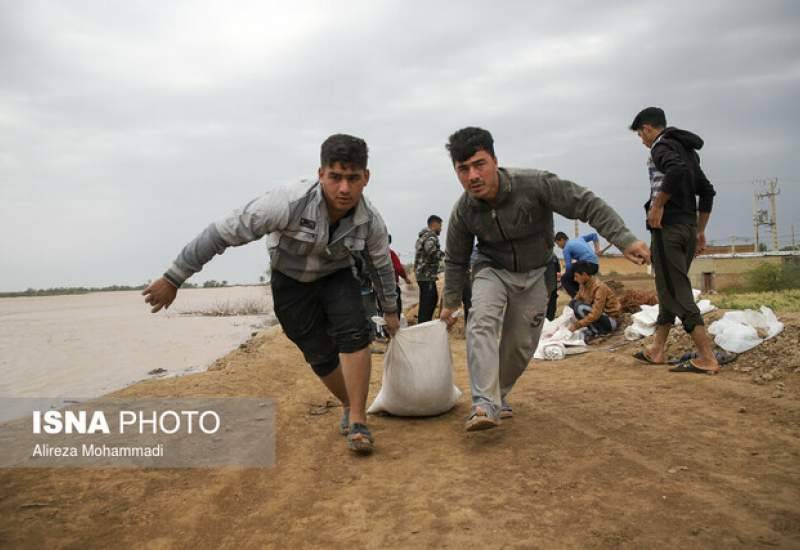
[654, 116]
[390, 238]
[348, 150]
[468, 141]
[561, 235]
[434, 218]
[585, 267]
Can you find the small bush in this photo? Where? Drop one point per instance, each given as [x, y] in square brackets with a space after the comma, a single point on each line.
[774, 277]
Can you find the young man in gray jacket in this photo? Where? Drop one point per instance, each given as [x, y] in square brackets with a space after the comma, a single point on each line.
[510, 212]
[312, 233]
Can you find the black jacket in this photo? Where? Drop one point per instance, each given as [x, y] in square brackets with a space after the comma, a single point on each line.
[675, 155]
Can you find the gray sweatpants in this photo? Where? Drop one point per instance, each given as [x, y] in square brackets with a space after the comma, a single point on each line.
[503, 330]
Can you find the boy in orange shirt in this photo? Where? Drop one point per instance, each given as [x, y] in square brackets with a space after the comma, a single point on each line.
[595, 305]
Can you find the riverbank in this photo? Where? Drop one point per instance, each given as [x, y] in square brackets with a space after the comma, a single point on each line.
[602, 453]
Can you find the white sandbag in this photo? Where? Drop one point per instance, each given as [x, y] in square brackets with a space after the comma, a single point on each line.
[705, 306]
[738, 338]
[554, 352]
[737, 331]
[417, 373]
[774, 327]
[557, 341]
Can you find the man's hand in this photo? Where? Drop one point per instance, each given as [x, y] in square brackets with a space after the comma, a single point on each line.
[701, 243]
[408, 282]
[654, 216]
[573, 327]
[638, 253]
[392, 323]
[160, 293]
[447, 316]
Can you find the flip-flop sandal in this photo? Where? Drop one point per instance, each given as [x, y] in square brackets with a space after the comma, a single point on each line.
[642, 357]
[478, 421]
[689, 366]
[344, 423]
[723, 357]
[360, 440]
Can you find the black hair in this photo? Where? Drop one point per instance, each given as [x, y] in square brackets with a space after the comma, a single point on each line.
[468, 141]
[561, 235]
[390, 239]
[433, 218]
[584, 267]
[350, 151]
[653, 116]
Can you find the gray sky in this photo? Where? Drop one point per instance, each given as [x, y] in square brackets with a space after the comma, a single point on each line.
[127, 127]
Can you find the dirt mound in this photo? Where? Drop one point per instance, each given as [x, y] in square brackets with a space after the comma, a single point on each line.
[771, 361]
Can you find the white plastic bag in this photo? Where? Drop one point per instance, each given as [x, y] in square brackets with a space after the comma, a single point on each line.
[737, 331]
[417, 373]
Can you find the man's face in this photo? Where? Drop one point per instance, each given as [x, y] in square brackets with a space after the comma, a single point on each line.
[648, 134]
[478, 175]
[342, 185]
[561, 243]
[436, 227]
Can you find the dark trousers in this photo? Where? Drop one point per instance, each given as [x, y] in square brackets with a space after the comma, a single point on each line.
[568, 283]
[603, 325]
[466, 298]
[428, 298]
[551, 305]
[672, 248]
[399, 301]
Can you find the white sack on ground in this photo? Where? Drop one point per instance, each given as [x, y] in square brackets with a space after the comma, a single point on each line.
[557, 341]
[417, 373]
[737, 331]
[644, 322]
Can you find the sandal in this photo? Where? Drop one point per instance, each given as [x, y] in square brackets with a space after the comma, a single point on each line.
[723, 357]
[360, 440]
[642, 357]
[479, 420]
[689, 366]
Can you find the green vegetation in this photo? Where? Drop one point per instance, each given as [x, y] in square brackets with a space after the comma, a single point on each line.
[785, 300]
[773, 277]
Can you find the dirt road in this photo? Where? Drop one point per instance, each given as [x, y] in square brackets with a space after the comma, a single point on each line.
[602, 453]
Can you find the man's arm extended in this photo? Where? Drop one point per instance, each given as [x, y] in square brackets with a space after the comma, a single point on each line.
[260, 216]
[575, 202]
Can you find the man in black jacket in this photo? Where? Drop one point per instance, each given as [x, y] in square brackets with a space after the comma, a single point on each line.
[677, 231]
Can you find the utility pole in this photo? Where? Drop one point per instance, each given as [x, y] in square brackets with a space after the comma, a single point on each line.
[771, 191]
[794, 246]
[577, 234]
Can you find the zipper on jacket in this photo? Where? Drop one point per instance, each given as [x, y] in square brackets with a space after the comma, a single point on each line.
[503, 234]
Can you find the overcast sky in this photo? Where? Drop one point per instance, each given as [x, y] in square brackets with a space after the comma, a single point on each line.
[127, 127]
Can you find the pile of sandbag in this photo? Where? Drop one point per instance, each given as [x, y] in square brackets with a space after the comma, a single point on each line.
[557, 341]
[644, 322]
[739, 331]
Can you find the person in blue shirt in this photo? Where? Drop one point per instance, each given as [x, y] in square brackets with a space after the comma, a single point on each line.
[577, 250]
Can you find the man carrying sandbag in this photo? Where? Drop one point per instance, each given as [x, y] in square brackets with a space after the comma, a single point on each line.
[510, 212]
[313, 232]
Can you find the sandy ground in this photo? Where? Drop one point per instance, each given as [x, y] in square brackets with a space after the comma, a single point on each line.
[602, 453]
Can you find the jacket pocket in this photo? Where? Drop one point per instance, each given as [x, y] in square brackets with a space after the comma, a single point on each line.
[298, 242]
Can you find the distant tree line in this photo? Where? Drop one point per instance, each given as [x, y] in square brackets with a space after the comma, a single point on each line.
[61, 290]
